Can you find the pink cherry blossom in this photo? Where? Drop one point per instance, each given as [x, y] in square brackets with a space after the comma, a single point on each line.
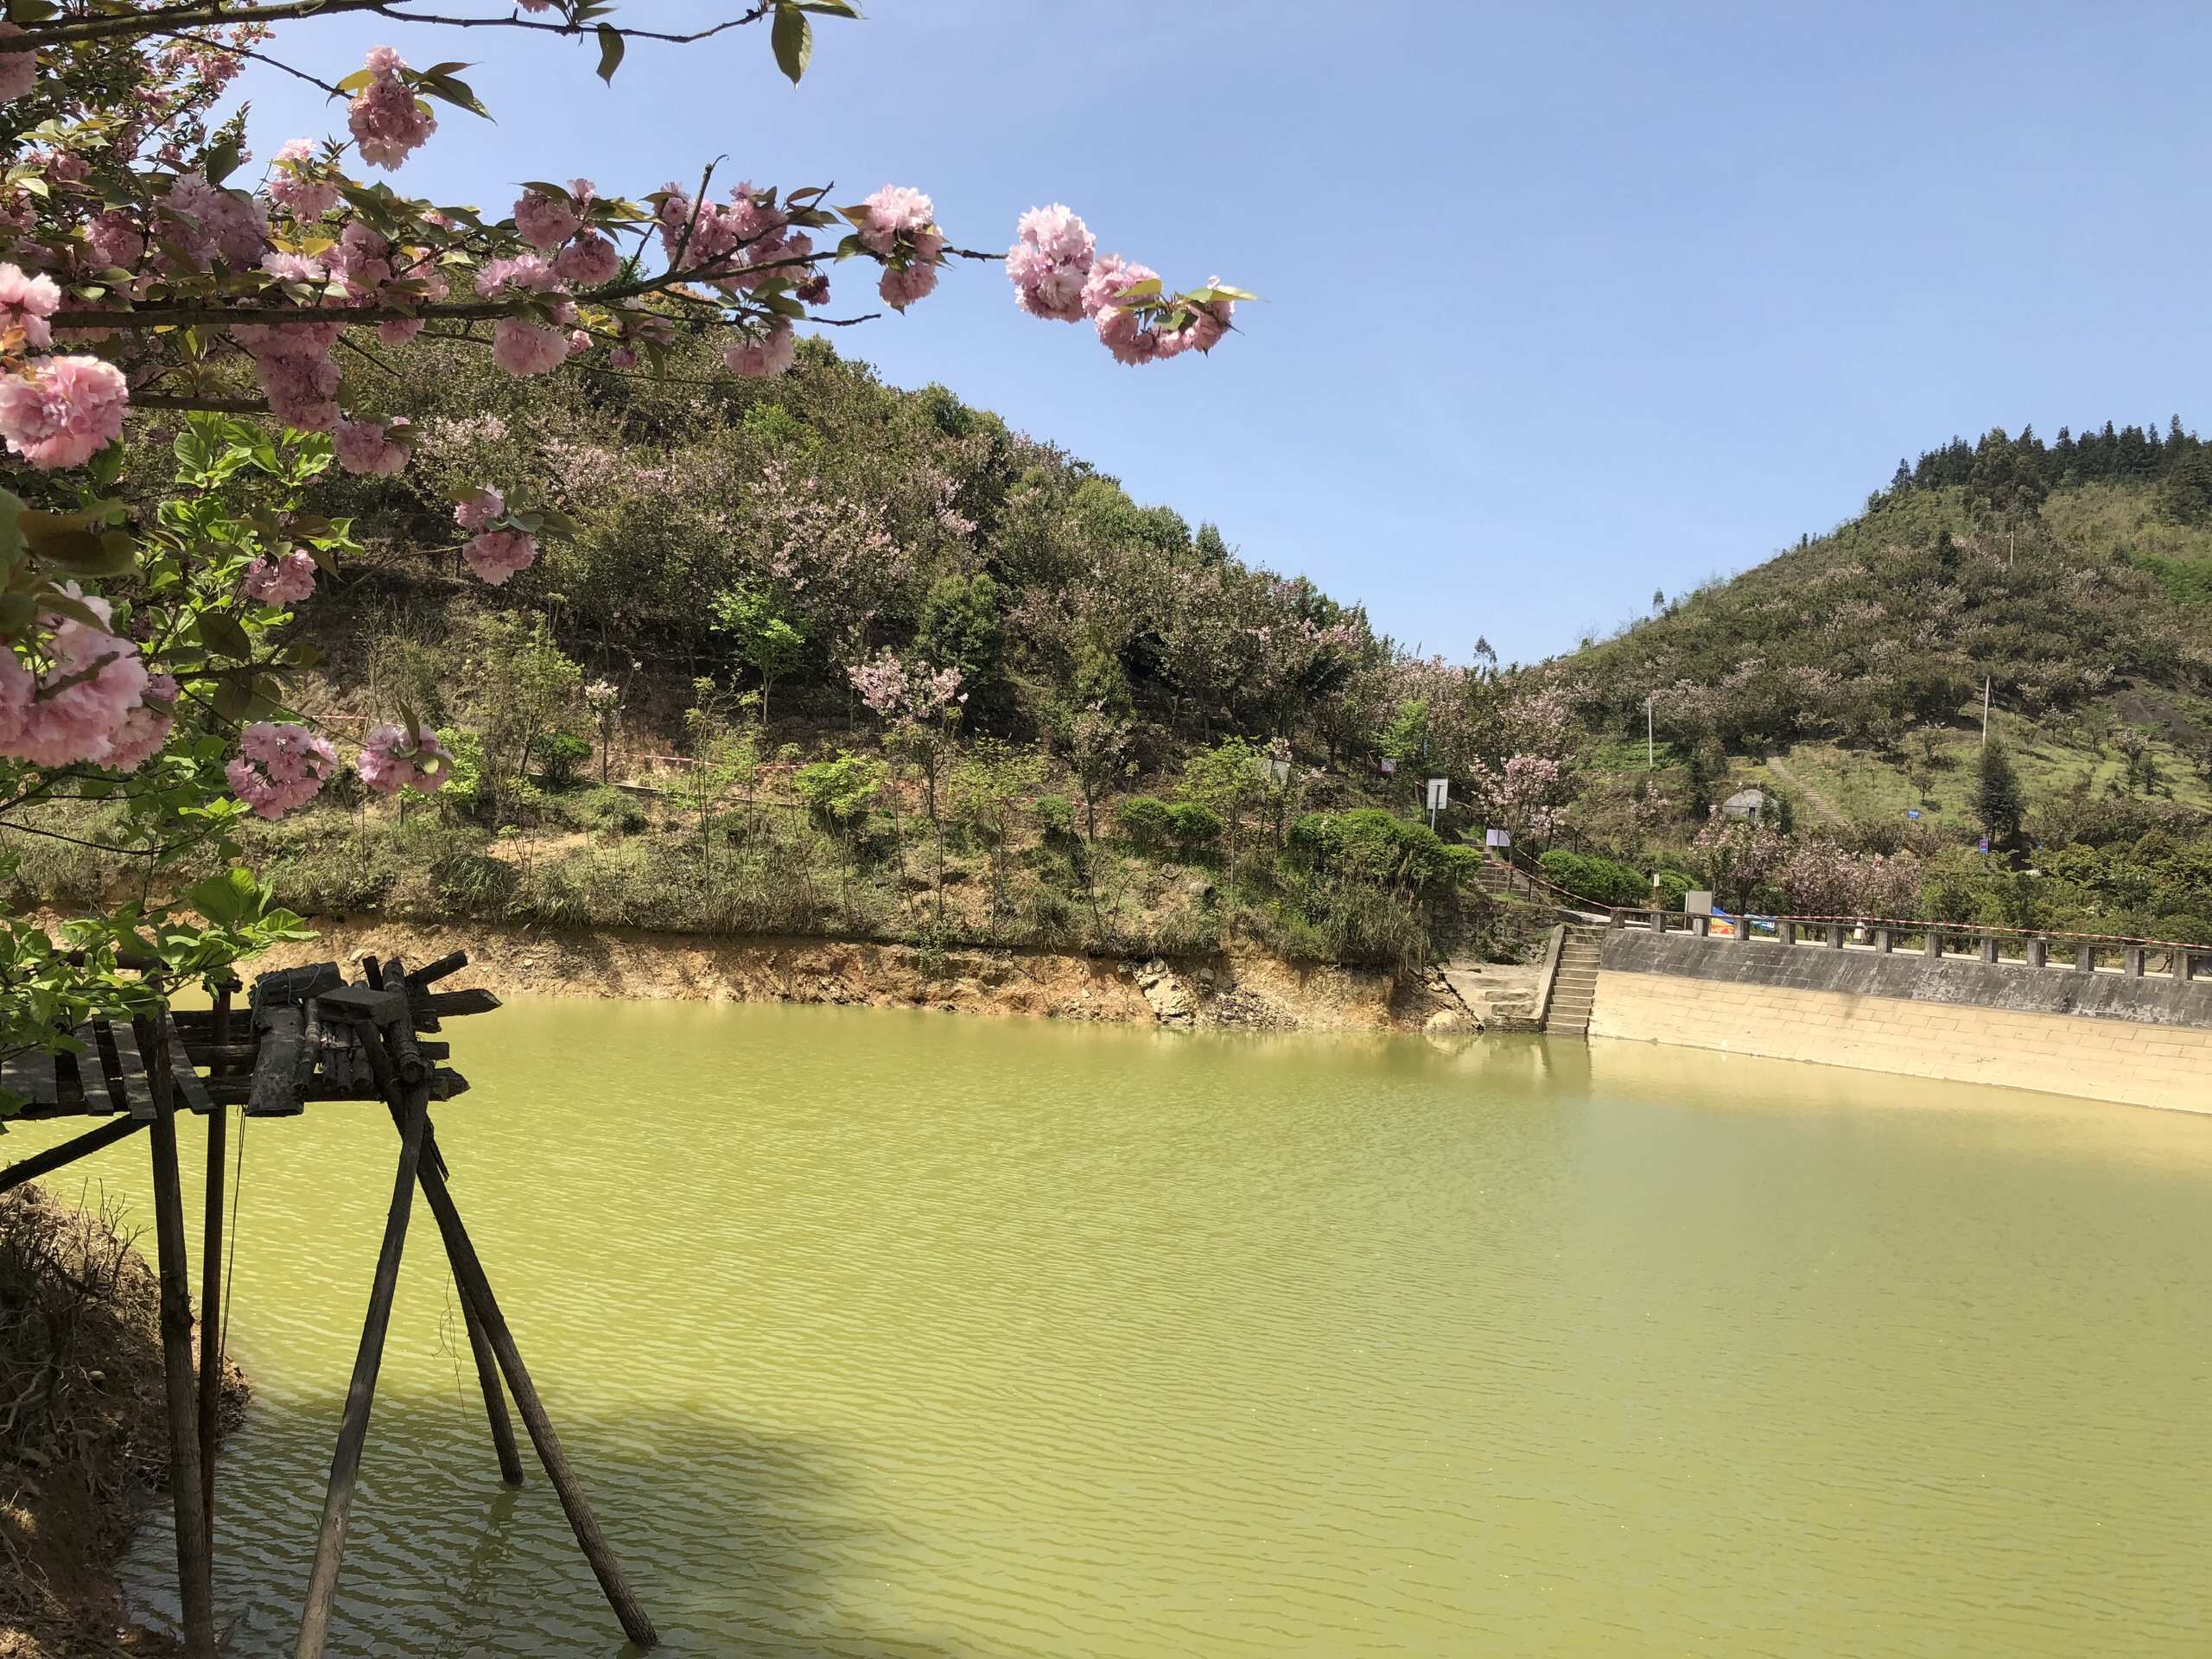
[526, 273]
[892, 210]
[397, 331]
[389, 762]
[72, 711]
[622, 357]
[288, 580]
[145, 729]
[481, 509]
[279, 766]
[362, 447]
[589, 260]
[497, 554]
[579, 342]
[387, 120]
[761, 359]
[545, 221]
[306, 198]
[525, 348]
[294, 268]
[114, 238]
[18, 70]
[292, 365]
[900, 289]
[26, 302]
[206, 223]
[1050, 262]
[64, 410]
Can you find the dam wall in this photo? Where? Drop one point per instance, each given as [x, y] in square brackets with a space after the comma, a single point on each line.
[2139, 1041]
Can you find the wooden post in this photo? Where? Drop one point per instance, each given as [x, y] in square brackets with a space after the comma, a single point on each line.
[478, 1288]
[195, 1568]
[210, 1284]
[54, 1158]
[495, 1397]
[360, 1394]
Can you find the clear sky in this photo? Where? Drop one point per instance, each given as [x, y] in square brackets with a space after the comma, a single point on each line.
[1565, 302]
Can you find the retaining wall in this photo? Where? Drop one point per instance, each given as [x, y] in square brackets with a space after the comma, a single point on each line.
[2143, 1042]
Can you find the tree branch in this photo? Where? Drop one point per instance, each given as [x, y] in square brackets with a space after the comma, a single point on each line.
[168, 19]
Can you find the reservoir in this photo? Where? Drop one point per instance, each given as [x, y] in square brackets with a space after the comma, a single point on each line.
[884, 1335]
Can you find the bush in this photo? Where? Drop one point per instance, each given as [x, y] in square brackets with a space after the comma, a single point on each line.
[1147, 821]
[840, 793]
[1195, 828]
[558, 755]
[1598, 879]
[1367, 844]
[1055, 815]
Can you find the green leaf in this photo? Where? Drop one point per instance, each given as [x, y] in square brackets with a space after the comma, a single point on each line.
[228, 899]
[221, 634]
[232, 700]
[610, 52]
[793, 39]
[221, 160]
[830, 9]
[11, 535]
[79, 553]
[16, 611]
[354, 82]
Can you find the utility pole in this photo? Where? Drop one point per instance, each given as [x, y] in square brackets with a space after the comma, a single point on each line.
[1985, 711]
[1650, 750]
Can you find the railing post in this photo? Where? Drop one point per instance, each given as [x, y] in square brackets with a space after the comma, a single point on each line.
[2133, 959]
[2038, 953]
[1932, 944]
[1989, 947]
[1702, 927]
[1743, 935]
[2185, 964]
[2084, 958]
[1785, 931]
[1614, 918]
[1882, 941]
[1835, 935]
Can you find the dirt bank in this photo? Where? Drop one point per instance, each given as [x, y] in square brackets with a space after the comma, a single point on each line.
[1246, 992]
[83, 1438]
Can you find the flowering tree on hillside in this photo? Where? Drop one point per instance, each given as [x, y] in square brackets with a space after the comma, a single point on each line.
[144, 267]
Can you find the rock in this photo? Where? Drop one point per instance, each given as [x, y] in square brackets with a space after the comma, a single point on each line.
[1451, 1019]
[1171, 1003]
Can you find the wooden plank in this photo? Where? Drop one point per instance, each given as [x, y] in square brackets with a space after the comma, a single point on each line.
[189, 1088]
[32, 1076]
[295, 984]
[439, 970]
[194, 1561]
[90, 1077]
[130, 1068]
[445, 1003]
[274, 1091]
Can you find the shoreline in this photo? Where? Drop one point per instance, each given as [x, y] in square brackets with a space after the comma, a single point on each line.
[1233, 990]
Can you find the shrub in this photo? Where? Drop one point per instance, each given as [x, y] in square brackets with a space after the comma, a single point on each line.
[1194, 828]
[1367, 844]
[558, 755]
[1598, 879]
[1147, 821]
[1055, 815]
[840, 793]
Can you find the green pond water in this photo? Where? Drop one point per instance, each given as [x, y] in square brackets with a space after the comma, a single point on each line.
[878, 1334]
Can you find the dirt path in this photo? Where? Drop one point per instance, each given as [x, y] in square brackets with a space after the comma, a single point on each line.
[1820, 803]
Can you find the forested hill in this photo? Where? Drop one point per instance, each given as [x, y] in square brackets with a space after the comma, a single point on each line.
[2065, 573]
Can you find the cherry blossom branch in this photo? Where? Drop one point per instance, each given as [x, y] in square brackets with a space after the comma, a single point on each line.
[174, 18]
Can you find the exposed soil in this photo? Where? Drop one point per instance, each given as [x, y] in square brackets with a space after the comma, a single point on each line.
[84, 1439]
[1250, 992]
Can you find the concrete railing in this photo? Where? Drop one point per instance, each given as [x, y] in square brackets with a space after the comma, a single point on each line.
[2079, 953]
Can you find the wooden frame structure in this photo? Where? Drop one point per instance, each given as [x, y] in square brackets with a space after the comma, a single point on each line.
[309, 1036]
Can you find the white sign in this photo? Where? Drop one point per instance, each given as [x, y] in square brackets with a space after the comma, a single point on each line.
[1697, 902]
[1440, 794]
[1497, 838]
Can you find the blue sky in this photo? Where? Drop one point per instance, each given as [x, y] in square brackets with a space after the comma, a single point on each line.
[1565, 303]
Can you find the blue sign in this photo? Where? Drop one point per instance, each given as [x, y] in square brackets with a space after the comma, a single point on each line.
[1985, 843]
[1913, 812]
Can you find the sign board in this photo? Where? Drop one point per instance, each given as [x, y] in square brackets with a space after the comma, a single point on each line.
[1985, 843]
[1440, 794]
[1697, 902]
[1275, 771]
[1389, 768]
[1913, 812]
[1497, 838]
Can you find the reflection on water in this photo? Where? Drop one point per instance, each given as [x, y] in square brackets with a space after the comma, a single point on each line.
[887, 1335]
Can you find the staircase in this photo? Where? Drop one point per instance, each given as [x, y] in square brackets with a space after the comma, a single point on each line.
[1574, 988]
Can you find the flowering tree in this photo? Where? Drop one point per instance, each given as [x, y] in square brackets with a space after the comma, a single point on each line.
[141, 269]
[919, 704]
[1525, 784]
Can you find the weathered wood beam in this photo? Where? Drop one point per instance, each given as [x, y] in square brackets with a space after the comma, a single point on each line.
[211, 1284]
[446, 1003]
[54, 1158]
[360, 1393]
[194, 1563]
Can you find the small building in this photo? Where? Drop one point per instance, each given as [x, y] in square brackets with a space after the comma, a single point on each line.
[1752, 803]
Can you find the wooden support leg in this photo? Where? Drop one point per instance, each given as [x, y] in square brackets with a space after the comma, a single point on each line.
[360, 1395]
[478, 1289]
[495, 1396]
[195, 1579]
[211, 1305]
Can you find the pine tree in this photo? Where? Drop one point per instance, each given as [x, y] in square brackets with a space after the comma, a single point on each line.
[1998, 800]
